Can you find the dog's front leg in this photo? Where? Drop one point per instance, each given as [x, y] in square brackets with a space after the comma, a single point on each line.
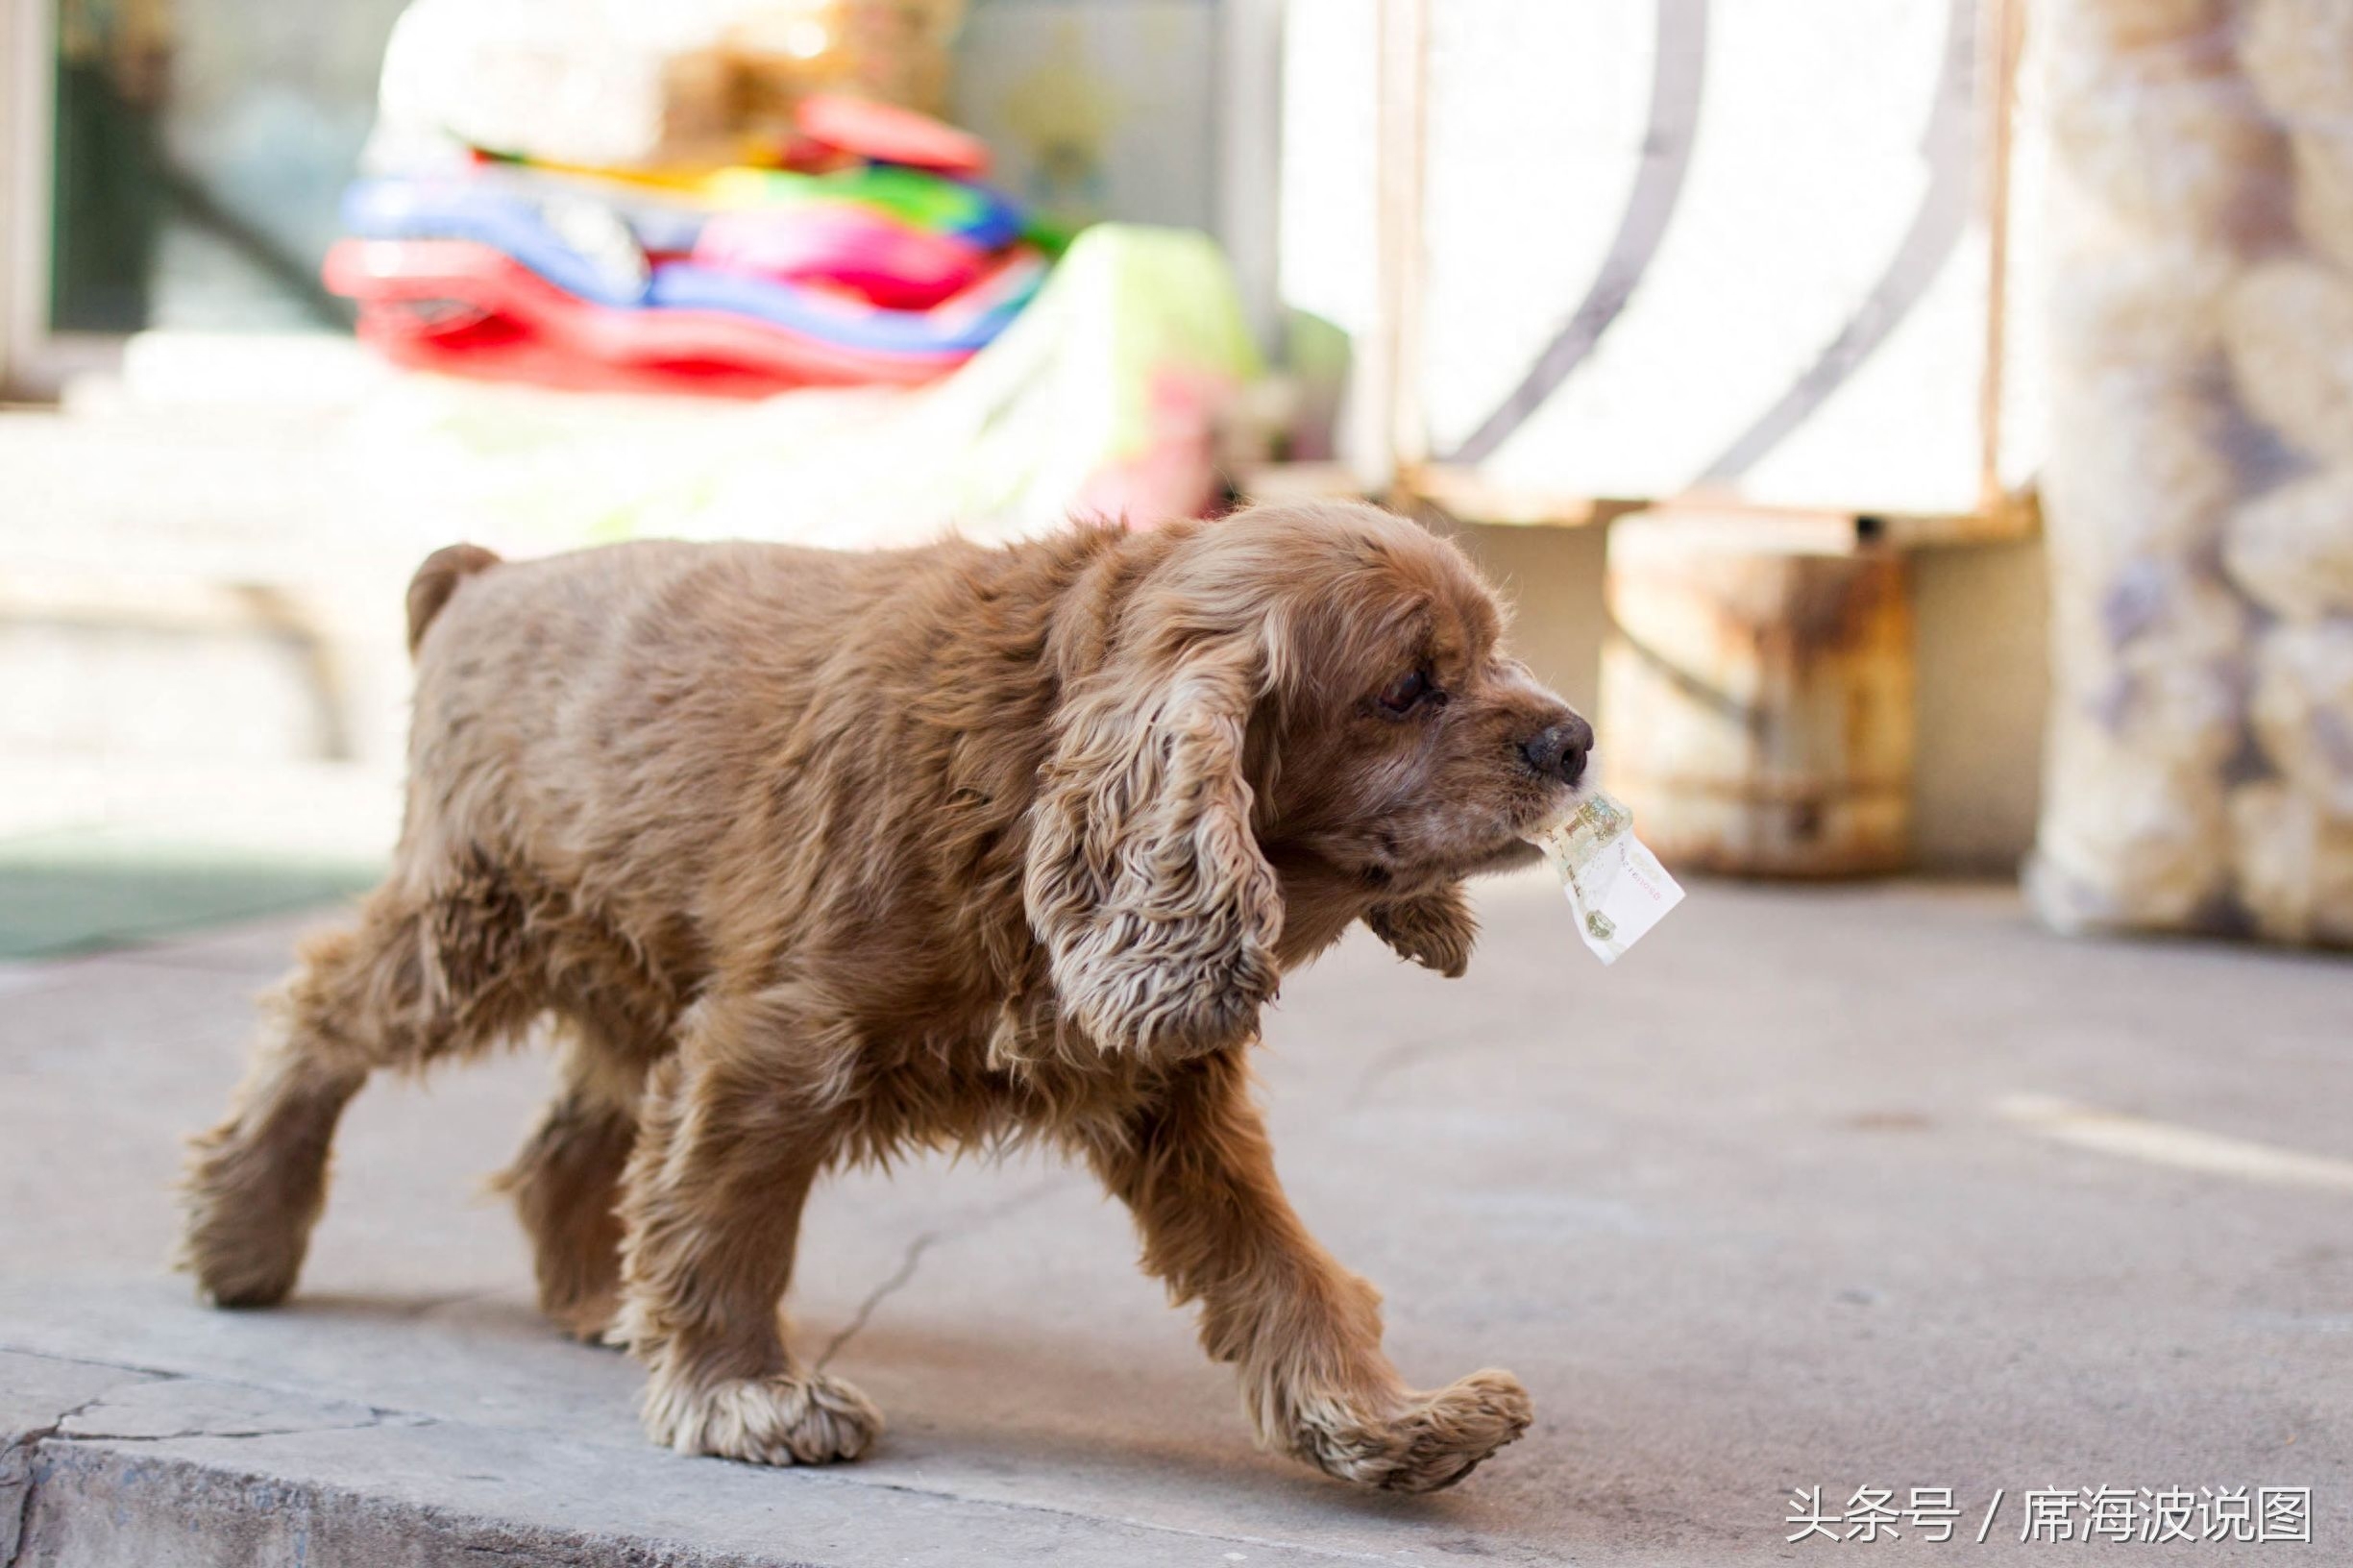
[1435, 930]
[728, 1149]
[1196, 1169]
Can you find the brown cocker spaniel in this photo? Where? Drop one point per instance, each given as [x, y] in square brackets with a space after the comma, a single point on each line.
[812, 857]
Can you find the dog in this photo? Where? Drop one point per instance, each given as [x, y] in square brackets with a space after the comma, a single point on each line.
[810, 858]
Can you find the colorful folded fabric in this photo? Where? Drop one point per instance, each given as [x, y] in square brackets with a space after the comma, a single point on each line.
[581, 239]
[960, 324]
[464, 306]
[587, 251]
[879, 257]
[967, 208]
[494, 347]
[887, 133]
[583, 246]
[963, 208]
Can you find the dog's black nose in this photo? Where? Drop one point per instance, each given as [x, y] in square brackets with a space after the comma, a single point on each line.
[1559, 752]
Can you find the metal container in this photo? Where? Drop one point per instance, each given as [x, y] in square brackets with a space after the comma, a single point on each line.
[1756, 703]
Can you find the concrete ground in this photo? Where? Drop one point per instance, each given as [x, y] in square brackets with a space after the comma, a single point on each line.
[1850, 1188]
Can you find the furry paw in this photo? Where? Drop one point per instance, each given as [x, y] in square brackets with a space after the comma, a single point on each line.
[1421, 1442]
[243, 1238]
[791, 1418]
[1435, 930]
[590, 1318]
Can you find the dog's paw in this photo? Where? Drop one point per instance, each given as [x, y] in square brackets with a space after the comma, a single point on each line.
[1436, 930]
[1421, 1442]
[792, 1418]
[245, 1251]
[592, 1319]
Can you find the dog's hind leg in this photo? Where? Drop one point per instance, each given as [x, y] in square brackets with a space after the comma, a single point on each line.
[414, 979]
[566, 1182]
[255, 1183]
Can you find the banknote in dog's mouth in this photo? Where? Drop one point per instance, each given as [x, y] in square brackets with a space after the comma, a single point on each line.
[1617, 886]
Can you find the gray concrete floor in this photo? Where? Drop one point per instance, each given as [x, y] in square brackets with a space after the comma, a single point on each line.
[1766, 1207]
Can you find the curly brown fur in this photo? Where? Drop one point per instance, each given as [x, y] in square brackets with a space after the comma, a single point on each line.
[812, 858]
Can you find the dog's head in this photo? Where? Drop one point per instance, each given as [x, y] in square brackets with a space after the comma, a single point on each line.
[1319, 687]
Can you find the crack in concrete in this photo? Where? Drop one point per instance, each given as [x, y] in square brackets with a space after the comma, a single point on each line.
[230, 1436]
[890, 1285]
[28, 1444]
[26, 1447]
[379, 1416]
[22, 1524]
[95, 1361]
[20, 1450]
[899, 1276]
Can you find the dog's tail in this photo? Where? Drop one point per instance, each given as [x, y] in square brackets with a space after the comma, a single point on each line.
[436, 580]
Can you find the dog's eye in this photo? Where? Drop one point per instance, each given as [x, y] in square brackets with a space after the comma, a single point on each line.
[1407, 693]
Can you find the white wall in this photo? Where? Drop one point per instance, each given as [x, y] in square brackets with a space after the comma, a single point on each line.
[1983, 618]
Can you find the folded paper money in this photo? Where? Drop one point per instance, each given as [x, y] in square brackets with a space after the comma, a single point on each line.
[1617, 887]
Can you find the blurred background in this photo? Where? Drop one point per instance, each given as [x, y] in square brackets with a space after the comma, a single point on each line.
[1921, 436]
[1912, 430]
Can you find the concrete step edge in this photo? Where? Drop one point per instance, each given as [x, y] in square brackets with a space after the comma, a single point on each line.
[160, 1467]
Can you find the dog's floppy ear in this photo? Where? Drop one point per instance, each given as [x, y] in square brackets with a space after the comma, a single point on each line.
[1144, 882]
